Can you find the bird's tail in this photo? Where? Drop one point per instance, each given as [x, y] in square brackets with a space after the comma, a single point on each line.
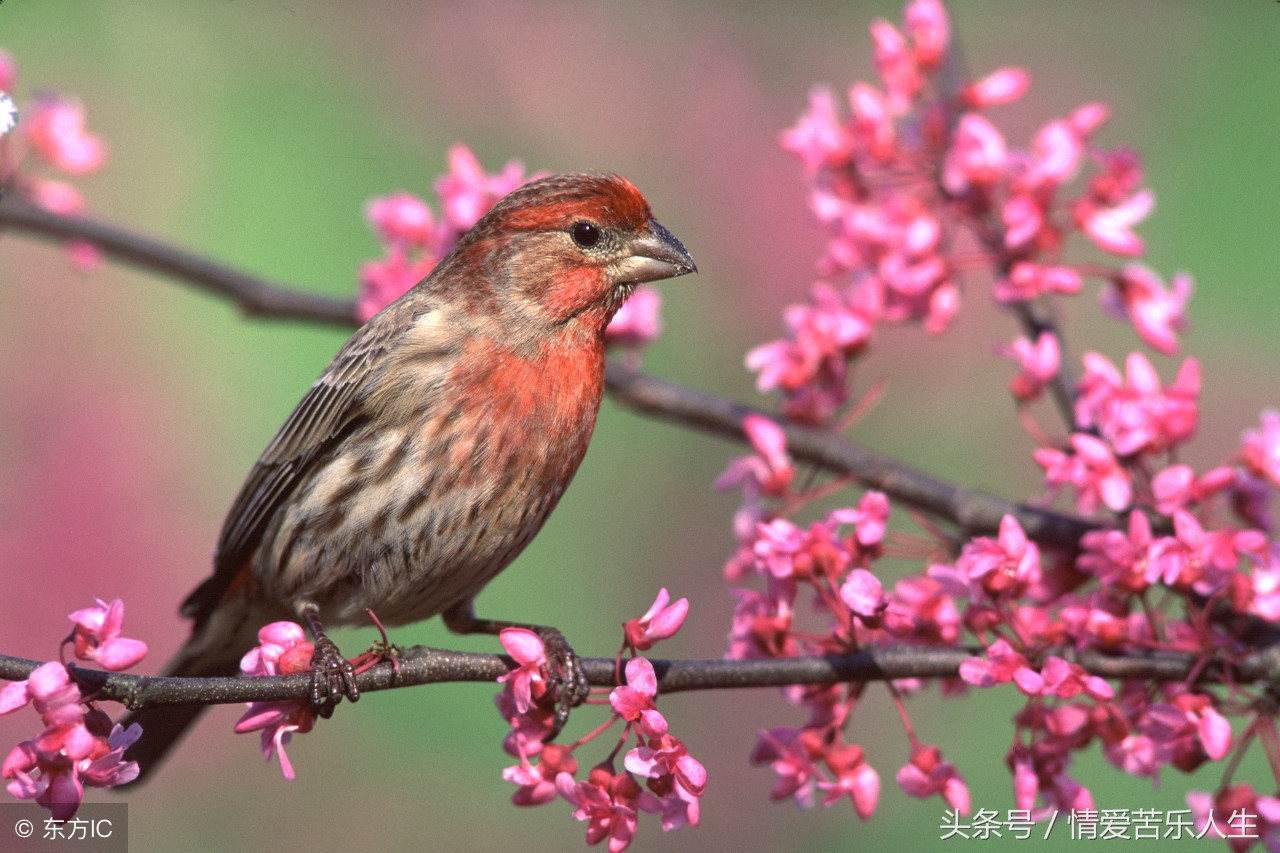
[214, 649]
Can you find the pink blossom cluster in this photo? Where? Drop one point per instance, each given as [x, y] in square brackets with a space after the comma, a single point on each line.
[914, 179]
[414, 240]
[916, 188]
[283, 649]
[1127, 426]
[830, 562]
[79, 745]
[49, 132]
[659, 776]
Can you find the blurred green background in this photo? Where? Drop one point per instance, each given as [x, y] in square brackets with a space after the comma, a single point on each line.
[131, 407]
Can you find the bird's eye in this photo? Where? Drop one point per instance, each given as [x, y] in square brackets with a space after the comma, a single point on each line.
[585, 234]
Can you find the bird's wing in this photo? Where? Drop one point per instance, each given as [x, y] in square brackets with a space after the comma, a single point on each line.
[329, 410]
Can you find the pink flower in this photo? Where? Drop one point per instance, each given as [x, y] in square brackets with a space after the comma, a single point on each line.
[1178, 486]
[785, 750]
[872, 126]
[1157, 314]
[77, 747]
[926, 22]
[50, 690]
[761, 626]
[1029, 280]
[55, 196]
[609, 803]
[1004, 566]
[277, 721]
[1194, 559]
[1065, 679]
[402, 218]
[528, 681]
[870, 518]
[1088, 118]
[1002, 86]
[1038, 364]
[415, 241]
[108, 769]
[384, 281]
[1119, 559]
[1211, 729]
[777, 545]
[1002, 665]
[1023, 217]
[529, 729]
[675, 775]
[1093, 471]
[977, 157]
[1185, 732]
[467, 193]
[898, 69]
[97, 637]
[57, 786]
[282, 650]
[636, 324]
[769, 471]
[659, 622]
[634, 700]
[811, 365]
[933, 618]
[1260, 448]
[61, 197]
[818, 137]
[667, 756]
[1110, 227]
[537, 782]
[927, 774]
[1237, 813]
[785, 552]
[55, 129]
[1264, 588]
[1138, 415]
[1056, 151]
[864, 595]
[854, 777]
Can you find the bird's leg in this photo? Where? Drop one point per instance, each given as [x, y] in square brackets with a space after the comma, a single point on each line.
[332, 675]
[567, 678]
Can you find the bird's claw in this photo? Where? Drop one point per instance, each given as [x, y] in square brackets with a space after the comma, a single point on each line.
[332, 677]
[568, 680]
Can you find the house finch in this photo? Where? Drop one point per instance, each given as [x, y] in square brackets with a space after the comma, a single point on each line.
[435, 444]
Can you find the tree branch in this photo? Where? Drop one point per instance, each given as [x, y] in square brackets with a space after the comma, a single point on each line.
[422, 665]
[254, 296]
[974, 512]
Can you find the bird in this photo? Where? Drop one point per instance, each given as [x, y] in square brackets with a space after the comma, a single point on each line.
[433, 446]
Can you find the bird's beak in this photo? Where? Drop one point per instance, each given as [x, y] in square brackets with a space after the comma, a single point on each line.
[655, 254]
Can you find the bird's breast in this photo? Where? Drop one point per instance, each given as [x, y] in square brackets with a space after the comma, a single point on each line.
[449, 495]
